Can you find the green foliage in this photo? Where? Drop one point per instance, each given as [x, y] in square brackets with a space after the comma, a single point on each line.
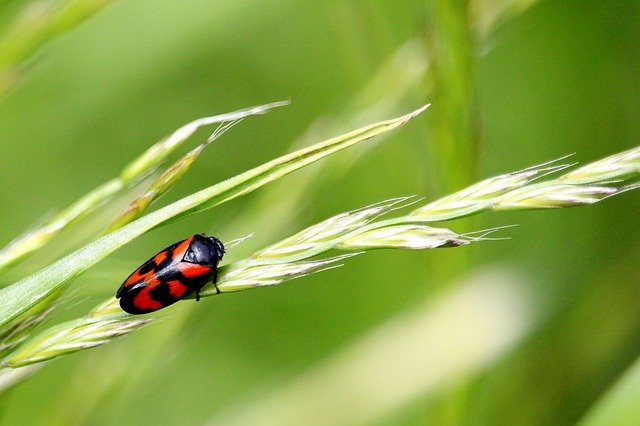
[32, 292]
[538, 327]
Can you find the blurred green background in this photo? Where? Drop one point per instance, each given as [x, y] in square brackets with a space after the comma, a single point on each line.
[531, 330]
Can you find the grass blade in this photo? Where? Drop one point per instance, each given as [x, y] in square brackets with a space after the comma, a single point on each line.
[25, 294]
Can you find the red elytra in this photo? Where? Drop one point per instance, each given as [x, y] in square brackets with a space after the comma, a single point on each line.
[172, 274]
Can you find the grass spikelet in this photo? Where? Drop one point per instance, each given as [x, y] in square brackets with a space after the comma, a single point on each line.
[71, 337]
[166, 180]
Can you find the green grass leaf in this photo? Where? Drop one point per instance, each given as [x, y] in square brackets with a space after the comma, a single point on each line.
[24, 295]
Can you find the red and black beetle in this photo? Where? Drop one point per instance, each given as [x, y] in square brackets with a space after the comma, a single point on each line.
[172, 274]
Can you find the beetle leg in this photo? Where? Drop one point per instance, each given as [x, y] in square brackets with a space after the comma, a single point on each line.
[215, 278]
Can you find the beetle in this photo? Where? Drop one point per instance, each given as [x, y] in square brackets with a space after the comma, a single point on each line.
[172, 274]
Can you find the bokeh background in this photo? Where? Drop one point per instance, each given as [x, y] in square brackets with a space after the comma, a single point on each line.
[536, 329]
